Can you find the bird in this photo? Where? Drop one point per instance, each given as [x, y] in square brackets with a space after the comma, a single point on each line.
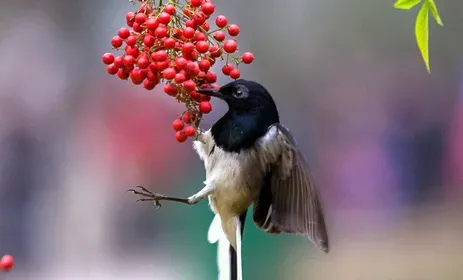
[251, 159]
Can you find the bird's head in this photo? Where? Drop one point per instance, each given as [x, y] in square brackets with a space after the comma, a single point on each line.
[251, 111]
[246, 97]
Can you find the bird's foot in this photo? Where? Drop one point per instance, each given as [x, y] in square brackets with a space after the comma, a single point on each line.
[147, 195]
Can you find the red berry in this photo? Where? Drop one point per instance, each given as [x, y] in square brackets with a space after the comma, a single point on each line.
[230, 46]
[170, 9]
[199, 36]
[108, 58]
[178, 125]
[160, 32]
[211, 77]
[188, 47]
[196, 3]
[164, 18]
[221, 21]
[179, 78]
[137, 27]
[162, 65]
[195, 95]
[124, 33]
[189, 85]
[143, 62]
[199, 18]
[191, 67]
[188, 32]
[132, 50]
[169, 43]
[129, 60]
[190, 131]
[122, 74]
[233, 30]
[190, 23]
[145, 8]
[116, 42]
[130, 16]
[208, 8]
[201, 75]
[204, 65]
[112, 69]
[152, 23]
[205, 26]
[215, 51]
[148, 85]
[137, 76]
[131, 41]
[170, 89]
[149, 40]
[205, 107]
[187, 12]
[188, 117]
[180, 63]
[119, 61]
[6, 262]
[219, 35]
[226, 69]
[192, 56]
[152, 77]
[202, 46]
[159, 56]
[128, 68]
[169, 73]
[247, 57]
[204, 97]
[180, 136]
[235, 74]
[140, 18]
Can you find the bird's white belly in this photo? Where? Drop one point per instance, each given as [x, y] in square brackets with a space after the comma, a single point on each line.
[235, 189]
[236, 177]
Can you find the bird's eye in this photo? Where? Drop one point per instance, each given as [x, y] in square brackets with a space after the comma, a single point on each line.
[238, 93]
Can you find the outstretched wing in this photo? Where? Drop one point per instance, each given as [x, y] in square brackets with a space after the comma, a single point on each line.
[289, 201]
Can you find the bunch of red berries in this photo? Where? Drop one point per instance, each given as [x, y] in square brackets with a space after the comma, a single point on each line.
[173, 44]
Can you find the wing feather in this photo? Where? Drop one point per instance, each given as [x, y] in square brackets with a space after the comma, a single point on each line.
[289, 196]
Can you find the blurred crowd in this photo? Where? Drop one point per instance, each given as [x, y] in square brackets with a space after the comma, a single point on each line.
[384, 139]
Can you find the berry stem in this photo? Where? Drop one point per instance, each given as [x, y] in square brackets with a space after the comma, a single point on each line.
[215, 30]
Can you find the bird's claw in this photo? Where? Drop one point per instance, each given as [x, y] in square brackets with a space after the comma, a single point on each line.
[150, 196]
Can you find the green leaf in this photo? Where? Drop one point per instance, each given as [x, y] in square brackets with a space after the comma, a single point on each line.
[422, 33]
[435, 13]
[406, 4]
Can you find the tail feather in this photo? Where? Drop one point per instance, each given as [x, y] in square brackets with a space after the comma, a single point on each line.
[215, 230]
[228, 259]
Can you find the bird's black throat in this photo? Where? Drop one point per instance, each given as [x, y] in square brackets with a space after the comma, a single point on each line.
[239, 130]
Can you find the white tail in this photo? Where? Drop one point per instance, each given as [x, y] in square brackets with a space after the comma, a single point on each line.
[239, 266]
[216, 234]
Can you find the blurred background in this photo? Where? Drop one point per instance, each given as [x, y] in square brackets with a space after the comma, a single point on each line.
[384, 140]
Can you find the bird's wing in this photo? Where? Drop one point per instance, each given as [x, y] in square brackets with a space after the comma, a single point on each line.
[289, 201]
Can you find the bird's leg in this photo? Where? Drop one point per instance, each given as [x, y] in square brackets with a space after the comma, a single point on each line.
[207, 190]
[150, 196]
[200, 136]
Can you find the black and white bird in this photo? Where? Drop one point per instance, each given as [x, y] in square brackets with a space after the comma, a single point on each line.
[252, 159]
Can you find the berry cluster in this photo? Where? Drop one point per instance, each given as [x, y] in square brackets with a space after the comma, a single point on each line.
[173, 44]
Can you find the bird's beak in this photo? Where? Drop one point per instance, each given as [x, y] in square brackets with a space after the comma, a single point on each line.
[212, 92]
